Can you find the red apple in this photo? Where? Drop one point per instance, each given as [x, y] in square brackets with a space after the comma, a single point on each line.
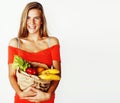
[29, 70]
[32, 71]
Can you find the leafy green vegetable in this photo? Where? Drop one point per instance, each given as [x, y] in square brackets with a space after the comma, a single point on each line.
[20, 62]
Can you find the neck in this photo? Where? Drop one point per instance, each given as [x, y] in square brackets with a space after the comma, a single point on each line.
[34, 37]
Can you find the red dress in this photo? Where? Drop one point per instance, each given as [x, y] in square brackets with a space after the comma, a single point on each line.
[45, 56]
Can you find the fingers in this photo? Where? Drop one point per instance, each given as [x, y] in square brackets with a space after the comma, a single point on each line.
[43, 65]
[34, 85]
[28, 92]
[36, 64]
[40, 96]
[35, 90]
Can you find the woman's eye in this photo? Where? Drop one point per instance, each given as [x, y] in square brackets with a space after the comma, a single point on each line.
[28, 17]
[37, 18]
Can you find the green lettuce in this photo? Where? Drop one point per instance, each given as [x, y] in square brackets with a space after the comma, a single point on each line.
[20, 62]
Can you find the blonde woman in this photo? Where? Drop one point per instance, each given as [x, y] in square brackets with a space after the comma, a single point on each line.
[34, 45]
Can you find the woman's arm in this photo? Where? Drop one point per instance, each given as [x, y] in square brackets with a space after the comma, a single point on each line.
[12, 73]
[56, 64]
[54, 84]
[13, 79]
[15, 86]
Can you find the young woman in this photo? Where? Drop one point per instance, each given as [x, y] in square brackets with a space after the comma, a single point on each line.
[35, 46]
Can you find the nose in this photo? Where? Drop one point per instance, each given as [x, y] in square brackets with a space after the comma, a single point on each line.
[31, 21]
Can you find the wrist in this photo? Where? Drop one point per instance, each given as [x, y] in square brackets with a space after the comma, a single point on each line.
[48, 95]
[19, 93]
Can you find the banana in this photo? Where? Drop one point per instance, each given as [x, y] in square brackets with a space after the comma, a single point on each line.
[49, 77]
[49, 74]
[50, 71]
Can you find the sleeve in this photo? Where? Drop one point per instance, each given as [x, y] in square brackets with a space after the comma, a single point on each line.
[55, 52]
[11, 52]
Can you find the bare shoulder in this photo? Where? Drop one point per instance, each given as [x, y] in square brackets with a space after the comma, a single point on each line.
[13, 42]
[53, 41]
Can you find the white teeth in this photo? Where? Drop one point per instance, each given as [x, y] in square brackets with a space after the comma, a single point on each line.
[32, 27]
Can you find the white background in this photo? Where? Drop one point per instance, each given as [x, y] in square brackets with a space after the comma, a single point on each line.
[89, 34]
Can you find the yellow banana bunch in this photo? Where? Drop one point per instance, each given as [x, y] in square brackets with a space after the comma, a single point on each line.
[50, 74]
[49, 77]
[50, 71]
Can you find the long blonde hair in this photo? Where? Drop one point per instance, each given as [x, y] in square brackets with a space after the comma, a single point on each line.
[23, 32]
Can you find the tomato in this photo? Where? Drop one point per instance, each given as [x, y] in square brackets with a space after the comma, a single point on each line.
[32, 71]
[29, 70]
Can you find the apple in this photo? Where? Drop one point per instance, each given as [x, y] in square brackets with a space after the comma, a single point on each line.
[32, 71]
[29, 70]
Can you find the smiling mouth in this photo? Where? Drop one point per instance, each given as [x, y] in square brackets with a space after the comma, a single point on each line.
[32, 27]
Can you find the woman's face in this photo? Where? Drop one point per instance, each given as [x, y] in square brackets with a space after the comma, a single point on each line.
[34, 21]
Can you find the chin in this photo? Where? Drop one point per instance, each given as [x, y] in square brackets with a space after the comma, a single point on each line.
[32, 32]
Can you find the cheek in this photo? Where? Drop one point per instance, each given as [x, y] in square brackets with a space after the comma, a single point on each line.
[27, 23]
[38, 24]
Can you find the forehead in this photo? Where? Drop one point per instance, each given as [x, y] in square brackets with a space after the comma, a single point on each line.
[34, 12]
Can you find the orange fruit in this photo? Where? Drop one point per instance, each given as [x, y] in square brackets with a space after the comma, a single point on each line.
[40, 69]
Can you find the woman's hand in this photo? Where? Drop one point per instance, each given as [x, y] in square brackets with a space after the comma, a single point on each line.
[40, 96]
[26, 93]
[36, 64]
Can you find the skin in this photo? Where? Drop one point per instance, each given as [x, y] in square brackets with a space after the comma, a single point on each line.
[31, 44]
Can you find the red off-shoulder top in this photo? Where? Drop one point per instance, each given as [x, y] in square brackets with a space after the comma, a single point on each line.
[45, 56]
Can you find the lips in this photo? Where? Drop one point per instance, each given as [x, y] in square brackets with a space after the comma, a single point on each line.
[31, 27]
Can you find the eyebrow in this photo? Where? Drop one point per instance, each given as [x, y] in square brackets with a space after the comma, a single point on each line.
[35, 16]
